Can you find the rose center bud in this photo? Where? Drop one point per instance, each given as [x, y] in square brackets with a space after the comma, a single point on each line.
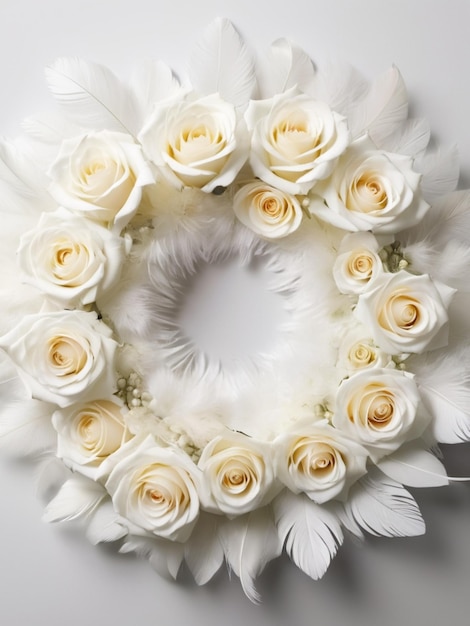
[405, 311]
[367, 194]
[89, 431]
[380, 411]
[66, 356]
[361, 264]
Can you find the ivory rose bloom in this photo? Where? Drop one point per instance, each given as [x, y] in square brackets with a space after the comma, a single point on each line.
[406, 313]
[88, 433]
[63, 357]
[296, 140]
[70, 259]
[371, 189]
[155, 489]
[379, 409]
[319, 461]
[239, 472]
[196, 143]
[266, 210]
[359, 351]
[101, 175]
[357, 264]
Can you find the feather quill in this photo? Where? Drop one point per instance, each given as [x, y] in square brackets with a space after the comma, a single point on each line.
[287, 66]
[222, 64]
[382, 507]
[414, 466]
[203, 551]
[250, 542]
[311, 532]
[443, 380]
[76, 498]
[91, 95]
[382, 110]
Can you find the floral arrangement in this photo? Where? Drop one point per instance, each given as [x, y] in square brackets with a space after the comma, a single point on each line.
[110, 205]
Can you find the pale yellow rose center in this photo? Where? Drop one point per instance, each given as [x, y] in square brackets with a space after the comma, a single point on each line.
[401, 311]
[236, 476]
[366, 194]
[274, 208]
[361, 355]
[361, 265]
[66, 355]
[159, 487]
[69, 259]
[100, 428]
[293, 138]
[196, 143]
[312, 458]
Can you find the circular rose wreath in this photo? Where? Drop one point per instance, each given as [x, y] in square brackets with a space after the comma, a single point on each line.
[111, 205]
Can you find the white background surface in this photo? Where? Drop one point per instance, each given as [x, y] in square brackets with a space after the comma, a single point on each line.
[51, 576]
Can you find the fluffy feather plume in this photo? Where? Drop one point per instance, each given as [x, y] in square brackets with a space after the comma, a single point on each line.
[443, 379]
[249, 543]
[222, 64]
[383, 109]
[414, 466]
[76, 498]
[311, 533]
[287, 66]
[381, 507]
[91, 95]
[203, 551]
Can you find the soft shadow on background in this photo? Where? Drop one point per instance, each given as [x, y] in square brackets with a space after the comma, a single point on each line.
[49, 575]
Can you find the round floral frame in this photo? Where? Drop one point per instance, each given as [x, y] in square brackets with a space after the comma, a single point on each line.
[113, 203]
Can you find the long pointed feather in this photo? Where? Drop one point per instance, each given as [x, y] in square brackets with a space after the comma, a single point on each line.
[311, 532]
[152, 82]
[383, 109]
[440, 172]
[382, 507]
[203, 552]
[287, 66]
[91, 95]
[104, 525]
[77, 497]
[222, 64]
[411, 138]
[250, 542]
[414, 466]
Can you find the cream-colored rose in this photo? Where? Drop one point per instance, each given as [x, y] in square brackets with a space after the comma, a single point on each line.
[406, 313]
[239, 474]
[379, 409]
[357, 264]
[155, 489]
[101, 175]
[196, 143]
[319, 461]
[88, 433]
[296, 140]
[266, 210]
[63, 357]
[370, 190]
[359, 351]
[70, 259]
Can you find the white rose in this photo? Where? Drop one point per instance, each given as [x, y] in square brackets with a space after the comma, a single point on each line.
[70, 259]
[357, 264]
[155, 489]
[88, 433]
[296, 140]
[359, 351]
[101, 175]
[239, 474]
[196, 143]
[266, 210]
[63, 357]
[379, 409]
[319, 461]
[371, 189]
[406, 313]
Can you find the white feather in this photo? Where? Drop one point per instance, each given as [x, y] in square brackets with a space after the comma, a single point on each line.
[163, 555]
[77, 497]
[311, 532]
[105, 524]
[91, 95]
[414, 466]
[382, 507]
[443, 379]
[411, 138]
[50, 474]
[203, 551]
[287, 66]
[152, 82]
[382, 110]
[222, 64]
[340, 85]
[250, 542]
[440, 172]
